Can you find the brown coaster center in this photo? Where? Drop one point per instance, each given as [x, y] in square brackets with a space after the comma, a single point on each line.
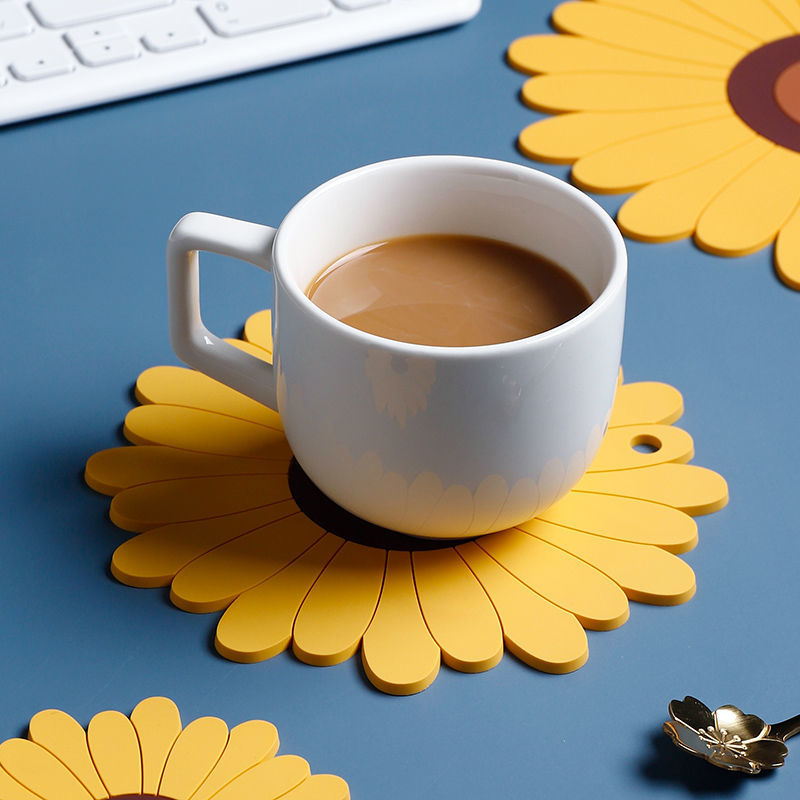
[764, 90]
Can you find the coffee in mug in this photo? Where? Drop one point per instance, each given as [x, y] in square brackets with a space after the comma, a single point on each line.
[448, 290]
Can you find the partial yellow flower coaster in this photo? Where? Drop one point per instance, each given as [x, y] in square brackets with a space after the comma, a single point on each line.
[150, 755]
[694, 105]
[228, 520]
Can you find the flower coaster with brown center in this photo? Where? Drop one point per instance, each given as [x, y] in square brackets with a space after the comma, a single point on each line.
[151, 755]
[692, 104]
[228, 520]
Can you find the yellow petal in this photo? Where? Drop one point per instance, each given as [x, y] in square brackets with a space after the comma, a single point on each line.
[756, 17]
[615, 91]
[267, 780]
[644, 33]
[457, 611]
[750, 211]
[670, 208]
[11, 790]
[258, 329]
[624, 518]
[789, 10]
[691, 489]
[567, 137]
[252, 349]
[645, 573]
[557, 53]
[646, 402]
[39, 771]
[629, 165]
[787, 251]
[398, 653]
[111, 470]
[178, 386]
[154, 557]
[204, 432]
[570, 583]
[258, 625]
[340, 606]
[157, 722]
[65, 738]
[249, 744]
[537, 632]
[618, 451]
[212, 581]
[115, 751]
[186, 499]
[683, 12]
[193, 756]
[320, 787]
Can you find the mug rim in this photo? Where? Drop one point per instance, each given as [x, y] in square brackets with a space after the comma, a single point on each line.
[614, 284]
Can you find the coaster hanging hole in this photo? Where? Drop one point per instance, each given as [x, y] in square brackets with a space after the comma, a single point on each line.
[646, 443]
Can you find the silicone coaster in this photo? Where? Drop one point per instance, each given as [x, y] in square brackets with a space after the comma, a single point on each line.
[694, 105]
[228, 520]
[150, 755]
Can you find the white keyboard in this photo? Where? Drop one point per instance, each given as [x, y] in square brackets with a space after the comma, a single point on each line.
[59, 55]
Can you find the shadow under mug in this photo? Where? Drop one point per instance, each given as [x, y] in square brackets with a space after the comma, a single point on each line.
[441, 442]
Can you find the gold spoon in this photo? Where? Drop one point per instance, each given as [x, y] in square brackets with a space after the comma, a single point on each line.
[729, 738]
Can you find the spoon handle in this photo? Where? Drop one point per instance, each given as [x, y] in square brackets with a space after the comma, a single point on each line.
[783, 730]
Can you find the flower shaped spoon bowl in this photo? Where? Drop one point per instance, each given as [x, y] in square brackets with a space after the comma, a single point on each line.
[727, 737]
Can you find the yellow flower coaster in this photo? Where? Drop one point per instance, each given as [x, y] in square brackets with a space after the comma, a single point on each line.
[150, 755]
[228, 520]
[694, 105]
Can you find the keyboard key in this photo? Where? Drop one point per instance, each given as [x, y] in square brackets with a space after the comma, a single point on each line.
[45, 64]
[13, 21]
[108, 51]
[236, 17]
[173, 37]
[78, 37]
[63, 13]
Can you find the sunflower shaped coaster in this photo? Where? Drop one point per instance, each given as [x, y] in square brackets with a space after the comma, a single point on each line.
[228, 520]
[694, 105]
[150, 755]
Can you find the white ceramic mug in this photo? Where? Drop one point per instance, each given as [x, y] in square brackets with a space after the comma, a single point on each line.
[439, 442]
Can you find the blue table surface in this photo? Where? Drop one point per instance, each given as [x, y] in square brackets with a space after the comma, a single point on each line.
[86, 203]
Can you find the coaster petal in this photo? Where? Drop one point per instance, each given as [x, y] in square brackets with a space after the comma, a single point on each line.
[552, 53]
[195, 752]
[267, 780]
[787, 251]
[457, 611]
[258, 330]
[537, 632]
[645, 573]
[212, 581]
[623, 518]
[755, 16]
[631, 164]
[62, 736]
[340, 605]
[570, 583]
[39, 771]
[567, 137]
[398, 653]
[750, 210]
[669, 209]
[618, 449]
[179, 386]
[646, 403]
[157, 722]
[204, 432]
[629, 29]
[319, 787]
[619, 91]
[154, 557]
[689, 488]
[274, 603]
[249, 744]
[115, 751]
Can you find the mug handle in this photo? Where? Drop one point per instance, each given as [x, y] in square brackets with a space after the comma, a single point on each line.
[192, 342]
